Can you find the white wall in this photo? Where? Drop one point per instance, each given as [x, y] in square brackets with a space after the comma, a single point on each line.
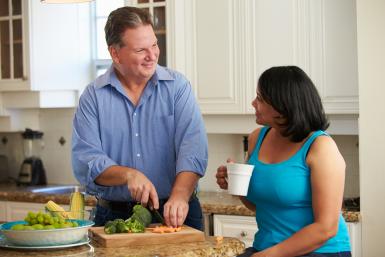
[57, 123]
[371, 71]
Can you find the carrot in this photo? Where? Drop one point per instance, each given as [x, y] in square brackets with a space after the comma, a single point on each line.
[165, 229]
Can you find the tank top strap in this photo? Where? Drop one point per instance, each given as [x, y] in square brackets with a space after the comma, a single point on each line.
[306, 146]
[261, 136]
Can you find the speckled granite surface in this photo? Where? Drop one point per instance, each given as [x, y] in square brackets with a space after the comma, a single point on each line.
[228, 247]
[223, 203]
[212, 202]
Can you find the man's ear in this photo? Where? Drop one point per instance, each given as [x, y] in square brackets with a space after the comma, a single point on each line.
[114, 54]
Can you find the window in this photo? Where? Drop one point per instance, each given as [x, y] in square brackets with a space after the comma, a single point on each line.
[102, 9]
[11, 40]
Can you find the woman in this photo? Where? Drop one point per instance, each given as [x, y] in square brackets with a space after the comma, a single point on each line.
[297, 185]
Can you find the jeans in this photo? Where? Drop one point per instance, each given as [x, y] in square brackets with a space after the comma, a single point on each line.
[194, 217]
[250, 251]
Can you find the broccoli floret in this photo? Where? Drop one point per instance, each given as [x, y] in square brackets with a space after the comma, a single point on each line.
[140, 219]
[121, 227]
[142, 214]
[110, 227]
[135, 225]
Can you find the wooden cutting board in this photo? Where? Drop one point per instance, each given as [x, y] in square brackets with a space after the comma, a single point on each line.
[186, 234]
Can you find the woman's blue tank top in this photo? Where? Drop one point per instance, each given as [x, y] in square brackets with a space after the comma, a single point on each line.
[283, 199]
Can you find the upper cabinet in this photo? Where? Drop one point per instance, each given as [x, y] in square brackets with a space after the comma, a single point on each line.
[11, 40]
[44, 47]
[224, 45]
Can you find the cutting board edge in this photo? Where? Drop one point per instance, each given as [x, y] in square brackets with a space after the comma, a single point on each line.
[166, 238]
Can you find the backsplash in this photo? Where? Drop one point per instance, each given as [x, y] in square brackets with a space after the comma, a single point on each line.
[54, 123]
[57, 123]
[223, 146]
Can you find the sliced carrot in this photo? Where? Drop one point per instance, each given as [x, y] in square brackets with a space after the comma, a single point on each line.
[165, 229]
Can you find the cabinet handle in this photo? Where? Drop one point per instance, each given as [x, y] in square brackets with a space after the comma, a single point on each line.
[243, 234]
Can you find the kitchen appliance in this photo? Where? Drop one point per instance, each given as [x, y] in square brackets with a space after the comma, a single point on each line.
[32, 170]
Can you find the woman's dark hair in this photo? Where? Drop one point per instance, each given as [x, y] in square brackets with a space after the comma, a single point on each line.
[292, 93]
[123, 18]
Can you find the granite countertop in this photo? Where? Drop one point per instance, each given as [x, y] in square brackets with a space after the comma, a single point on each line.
[223, 203]
[212, 202]
[210, 247]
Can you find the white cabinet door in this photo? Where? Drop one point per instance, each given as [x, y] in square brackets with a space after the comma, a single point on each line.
[224, 52]
[241, 227]
[3, 211]
[18, 210]
[354, 229]
[54, 45]
[217, 77]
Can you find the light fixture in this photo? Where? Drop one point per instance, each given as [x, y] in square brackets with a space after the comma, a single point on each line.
[64, 1]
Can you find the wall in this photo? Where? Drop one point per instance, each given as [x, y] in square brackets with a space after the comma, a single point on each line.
[371, 70]
[57, 123]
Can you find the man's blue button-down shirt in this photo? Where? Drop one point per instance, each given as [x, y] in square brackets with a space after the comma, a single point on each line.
[161, 136]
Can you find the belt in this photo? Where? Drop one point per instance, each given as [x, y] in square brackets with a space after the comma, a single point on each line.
[115, 205]
[122, 206]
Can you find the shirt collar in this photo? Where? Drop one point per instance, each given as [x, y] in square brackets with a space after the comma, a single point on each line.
[110, 78]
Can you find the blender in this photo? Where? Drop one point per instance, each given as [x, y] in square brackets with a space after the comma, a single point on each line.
[32, 170]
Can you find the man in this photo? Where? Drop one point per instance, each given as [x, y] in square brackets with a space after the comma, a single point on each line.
[138, 134]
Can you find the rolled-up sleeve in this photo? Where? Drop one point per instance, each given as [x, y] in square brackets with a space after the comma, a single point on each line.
[88, 158]
[190, 133]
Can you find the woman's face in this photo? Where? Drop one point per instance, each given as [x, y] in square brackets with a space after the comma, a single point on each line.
[264, 112]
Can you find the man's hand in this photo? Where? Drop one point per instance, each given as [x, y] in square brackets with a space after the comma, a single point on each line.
[175, 211]
[176, 208]
[141, 188]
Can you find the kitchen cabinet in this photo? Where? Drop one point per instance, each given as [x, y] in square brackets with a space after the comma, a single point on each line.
[18, 210]
[244, 228]
[354, 229]
[240, 227]
[11, 211]
[224, 53]
[45, 47]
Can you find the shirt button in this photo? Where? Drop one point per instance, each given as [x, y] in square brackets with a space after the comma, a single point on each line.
[134, 113]
[138, 155]
[136, 134]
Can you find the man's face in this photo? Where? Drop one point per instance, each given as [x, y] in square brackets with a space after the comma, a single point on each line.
[138, 56]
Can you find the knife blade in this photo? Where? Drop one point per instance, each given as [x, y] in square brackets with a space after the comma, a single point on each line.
[156, 213]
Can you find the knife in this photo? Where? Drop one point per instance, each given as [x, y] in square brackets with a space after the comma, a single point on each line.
[156, 213]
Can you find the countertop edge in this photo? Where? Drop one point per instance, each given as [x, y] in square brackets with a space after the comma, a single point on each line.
[211, 202]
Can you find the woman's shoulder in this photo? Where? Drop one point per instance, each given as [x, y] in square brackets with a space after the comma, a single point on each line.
[323, 146]
[323, 140]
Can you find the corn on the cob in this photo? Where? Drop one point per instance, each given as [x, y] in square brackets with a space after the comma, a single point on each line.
[77, 205]
[57, 210]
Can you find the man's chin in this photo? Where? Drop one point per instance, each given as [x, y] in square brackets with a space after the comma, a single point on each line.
[148, 74]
